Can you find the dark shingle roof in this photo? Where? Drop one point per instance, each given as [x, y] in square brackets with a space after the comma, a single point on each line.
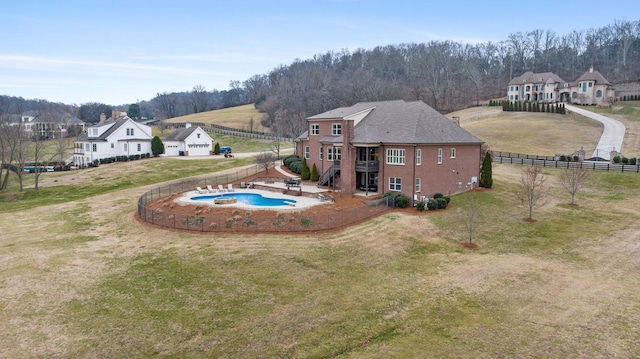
[180, 134]
[116, 125]
[401, 122]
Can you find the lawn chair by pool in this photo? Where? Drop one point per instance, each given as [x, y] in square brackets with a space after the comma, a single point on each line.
[221, 189]
[230, 187]
[200, 190]
[210, 189]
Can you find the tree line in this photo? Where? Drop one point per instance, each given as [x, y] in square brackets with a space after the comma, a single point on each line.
[447, 75]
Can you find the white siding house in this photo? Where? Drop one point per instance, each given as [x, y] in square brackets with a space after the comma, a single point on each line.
[188, 141]
[117, 136]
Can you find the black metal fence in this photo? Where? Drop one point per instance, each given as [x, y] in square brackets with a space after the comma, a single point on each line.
[550, 161]
[204, 218]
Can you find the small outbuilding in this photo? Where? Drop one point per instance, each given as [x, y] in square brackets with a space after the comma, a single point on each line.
[188, 141]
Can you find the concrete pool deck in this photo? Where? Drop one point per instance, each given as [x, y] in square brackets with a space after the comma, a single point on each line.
[301, 202]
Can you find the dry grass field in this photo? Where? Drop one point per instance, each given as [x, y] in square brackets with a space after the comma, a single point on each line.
[531, 133]
[83, 278]
[236, 117]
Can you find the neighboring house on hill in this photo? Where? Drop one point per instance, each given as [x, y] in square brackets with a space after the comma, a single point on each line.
[391, 146]
[188, 141]
[50, 125]
[589, 89]
[117, 136]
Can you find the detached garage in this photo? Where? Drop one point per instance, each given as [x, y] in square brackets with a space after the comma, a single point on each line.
[188, 141]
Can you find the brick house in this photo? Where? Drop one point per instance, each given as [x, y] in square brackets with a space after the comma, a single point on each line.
[377, 147]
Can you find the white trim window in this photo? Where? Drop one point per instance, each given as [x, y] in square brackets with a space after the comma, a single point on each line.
[395, 156]
[453, 152]
[94, 147]
[439, 156]
[320, 153]
[418, 185]
[336, 129]
[418, 157]
[306, 152]
[139, 147]
[334, 153]
[315, 129]
[395, 184]
[129, 131]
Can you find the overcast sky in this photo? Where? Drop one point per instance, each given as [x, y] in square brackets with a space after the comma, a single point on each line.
[120, 52]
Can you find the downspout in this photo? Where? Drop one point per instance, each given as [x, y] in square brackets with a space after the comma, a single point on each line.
[413, 185]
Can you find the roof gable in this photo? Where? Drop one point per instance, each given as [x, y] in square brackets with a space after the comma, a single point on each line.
[182, 134]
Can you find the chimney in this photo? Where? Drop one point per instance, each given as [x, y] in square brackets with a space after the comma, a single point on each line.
[187, 125]
[103, 118]
[591, 69]
[115, 114]
[456, 120]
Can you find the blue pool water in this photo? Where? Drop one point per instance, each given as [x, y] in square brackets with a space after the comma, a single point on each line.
[253, 199]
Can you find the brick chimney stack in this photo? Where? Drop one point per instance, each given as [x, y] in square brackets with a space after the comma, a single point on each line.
[103, 118]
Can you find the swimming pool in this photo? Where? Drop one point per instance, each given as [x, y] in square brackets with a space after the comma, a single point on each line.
[253, 199]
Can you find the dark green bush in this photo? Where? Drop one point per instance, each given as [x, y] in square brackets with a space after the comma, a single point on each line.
[632, 161]
[295, 167]
[438, 195]
[291, 158]
[616, 159]
[625, 161]
[441, 203]
[421, 206]
[402, 201]
[432, 204]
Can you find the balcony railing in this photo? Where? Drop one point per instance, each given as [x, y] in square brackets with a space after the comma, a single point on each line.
[367, 166]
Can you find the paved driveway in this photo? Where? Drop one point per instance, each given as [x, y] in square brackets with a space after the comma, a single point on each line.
[612, 135]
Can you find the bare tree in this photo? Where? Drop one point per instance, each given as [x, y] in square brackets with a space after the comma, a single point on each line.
[470, 212]
[166, 104]
[199, 99]
[276, 147]
[266, 160]
[573, 179]
[533, 190]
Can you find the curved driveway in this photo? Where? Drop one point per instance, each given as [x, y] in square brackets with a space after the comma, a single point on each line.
[612, 135]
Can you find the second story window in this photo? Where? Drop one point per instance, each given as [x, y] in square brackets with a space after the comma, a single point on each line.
[336, 129]
[395, 156]
[453, 152]
[306, 152]
[418, 157]
[315, 129]
[439, 156]
[129, 131]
